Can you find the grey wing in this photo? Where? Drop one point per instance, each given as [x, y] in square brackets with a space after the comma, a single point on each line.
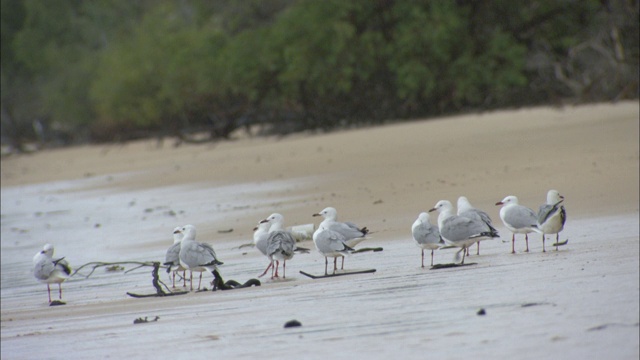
[172, 257]
[426, 234]
[43, 268]
[212, 253]
[198, 254]
[348, 229]
[62, 265]
[331, 241]
[479, 215]
[545, 212]
[458, 228]
[520, 217]
[281, 241]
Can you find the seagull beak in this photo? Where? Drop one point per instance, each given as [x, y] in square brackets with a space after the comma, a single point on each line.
[264, 221]
[255, 228]
[561, 197]
[177, 232]
[499, 203]
[432, 210]
[316, 215]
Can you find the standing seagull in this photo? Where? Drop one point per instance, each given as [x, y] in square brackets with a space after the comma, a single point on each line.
[467, 210]
[281, 244]
[172, 258]
[331, 243]
[552, 216]
[49, 271]
[426, 235]
[196, 256]
[461, 231]
[260, 240]
[518, 219]
[352, 234]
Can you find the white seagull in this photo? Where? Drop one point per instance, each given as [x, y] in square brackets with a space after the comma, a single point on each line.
[518, 219]
[461, 231]
[331, 243]
[260, 239]
[172, 258]
[467, 210]
[49, 271]
[426, 235]
[552, 216]
[196, 256]
[281, 244]
[352, 234]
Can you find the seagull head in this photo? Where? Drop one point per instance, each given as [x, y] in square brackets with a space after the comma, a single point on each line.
[188, 232]
[511, 199]
[554, 197]
[442, 205]
[328, 213]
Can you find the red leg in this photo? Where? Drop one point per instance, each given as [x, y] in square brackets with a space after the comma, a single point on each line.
[200, 281]
[342, 266]
[267, 269]
[513, 243]
[49, 292]
[184, 278]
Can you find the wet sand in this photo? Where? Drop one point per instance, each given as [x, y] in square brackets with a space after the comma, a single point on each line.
[121, 202]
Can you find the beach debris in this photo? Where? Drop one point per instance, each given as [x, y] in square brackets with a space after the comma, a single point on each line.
[481, 312]
[219, 283]
[140, 320]
[367, 271]
[225, 231]
[561, 243]
[114, 268]
[57, 302]
[449, 265]
[292, 323]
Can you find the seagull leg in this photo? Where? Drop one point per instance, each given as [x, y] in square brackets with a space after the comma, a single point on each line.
[200, 281]
[335, 264]
[191, 280]
[284, 271]
[174, 279]
[277, 266]
[513, 243]
[184, 278]
[431, 258]
[60, 290]
[478, 250]
[526, 238]
[543, 250]
[326, 264]
[342, 266]
[49, 292]
[557, 240]
[267, 269]
[423, 257]
[464, 251]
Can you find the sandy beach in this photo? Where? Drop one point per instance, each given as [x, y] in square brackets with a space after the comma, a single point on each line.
[120, 202]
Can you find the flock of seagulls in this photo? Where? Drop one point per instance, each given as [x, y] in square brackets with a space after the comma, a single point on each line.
[335, 239]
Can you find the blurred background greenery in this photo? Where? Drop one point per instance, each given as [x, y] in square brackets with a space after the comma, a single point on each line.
[77, 71]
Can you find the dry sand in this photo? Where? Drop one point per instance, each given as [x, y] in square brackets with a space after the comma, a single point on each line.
[120, 202]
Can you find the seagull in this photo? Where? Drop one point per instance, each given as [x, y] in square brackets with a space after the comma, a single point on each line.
[518, 219]
[552, 216]
[281, 244]
[467, 210]
[461, 231]
[331, 243]
[196, 256]
[351, 232]
[260, 239]
[172, 258]
[49, 271]
[426, 235]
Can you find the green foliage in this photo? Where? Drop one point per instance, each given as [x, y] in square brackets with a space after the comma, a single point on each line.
[167, 66]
